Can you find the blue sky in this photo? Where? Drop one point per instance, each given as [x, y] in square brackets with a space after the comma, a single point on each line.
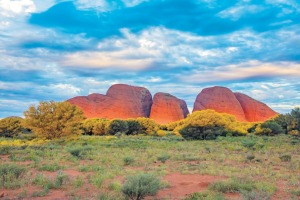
[55, 50]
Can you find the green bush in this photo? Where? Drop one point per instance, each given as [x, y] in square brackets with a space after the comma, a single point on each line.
[138, 186]
[134, 127]
[249, 143]
[11, 126]
[117, 126]
[201, 132]
[273, 126]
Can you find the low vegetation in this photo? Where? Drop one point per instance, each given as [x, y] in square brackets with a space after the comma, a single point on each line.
[128, 159]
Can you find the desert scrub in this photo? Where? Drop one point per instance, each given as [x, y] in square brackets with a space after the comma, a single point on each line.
[163, 158]
[4, 150]
[128, 160]
[80, 152]
[138, 186]
[60, 179]
[207, 195]
[253, 195]
[11, 175]
[285, 158]
[233, 185]
[49, 167]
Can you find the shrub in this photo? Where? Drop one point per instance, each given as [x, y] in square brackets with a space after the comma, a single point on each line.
[274, 127]
[256, 195]
[53, 119]
[94, 126]
[134, 127]
[250, 157]
[285, 158]
[201, 132]
[205, 196]
[138, 186]
[249, 143]
[117, 126]
[80, 152]
[163, 158]
[4, 150]
[148, 126]
[10, 175]
[128, 160]
[10, 126]
[212, 119]
[233, 185]
[60, 180]
[49, 167]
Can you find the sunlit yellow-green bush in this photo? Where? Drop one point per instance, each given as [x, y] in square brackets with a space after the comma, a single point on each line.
[209, 122]
[94, 126]
[149, 126]
[51, 120]
[10, 126]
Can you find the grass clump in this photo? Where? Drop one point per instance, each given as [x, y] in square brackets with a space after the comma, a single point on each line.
[256, 195]
[128, 160]
[207, 195]
[4, 150]
[80, 152]
[140, 185]
[10, 176]
[233, 185]
[163, 158]
[296, 192]
[49, 167]
[285, 158]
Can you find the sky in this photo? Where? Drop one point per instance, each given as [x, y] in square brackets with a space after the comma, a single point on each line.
[55, 50]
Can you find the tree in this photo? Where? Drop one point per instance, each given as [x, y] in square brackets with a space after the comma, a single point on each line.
[117, 126]
[134, 127]
[51, 120]
[149, 126]
[272, 128]
[10, 126]
[94, 126]
[296, 118]
[201, 132]
[200, 123]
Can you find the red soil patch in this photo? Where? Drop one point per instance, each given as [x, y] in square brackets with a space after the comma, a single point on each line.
[281, 191]
[182, 185]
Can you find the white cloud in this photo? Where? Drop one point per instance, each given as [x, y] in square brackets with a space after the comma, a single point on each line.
[12, 7]
[246, 70]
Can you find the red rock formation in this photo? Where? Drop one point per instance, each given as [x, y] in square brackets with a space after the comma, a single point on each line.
[255, 111]
[167, 108]
[121, 101]
[220, 99]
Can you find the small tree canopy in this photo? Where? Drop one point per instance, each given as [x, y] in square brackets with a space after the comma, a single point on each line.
[53, 119]
[10, 126]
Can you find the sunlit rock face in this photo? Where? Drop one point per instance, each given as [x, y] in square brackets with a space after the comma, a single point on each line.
[223, 100]
[124, 101]
[121, 101]
[255, 111]
[167, 108]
